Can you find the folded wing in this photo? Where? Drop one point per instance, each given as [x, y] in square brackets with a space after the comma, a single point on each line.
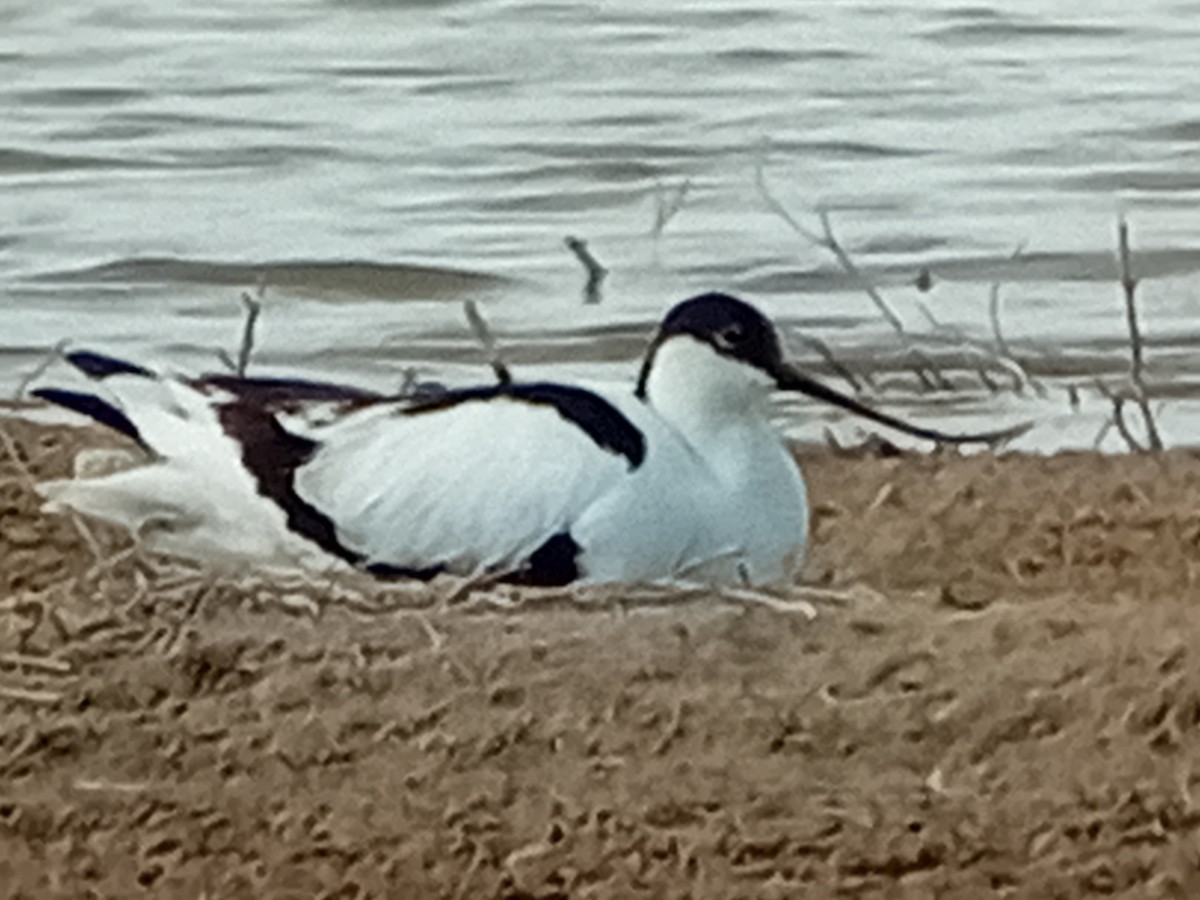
[487, 479]
[477, 481]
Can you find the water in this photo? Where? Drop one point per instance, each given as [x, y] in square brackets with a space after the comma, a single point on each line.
[376, 162]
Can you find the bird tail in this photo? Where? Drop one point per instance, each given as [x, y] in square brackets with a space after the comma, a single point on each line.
[132, 498]
[192, 488]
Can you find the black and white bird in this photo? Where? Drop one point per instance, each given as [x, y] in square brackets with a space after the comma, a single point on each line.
[682, 477]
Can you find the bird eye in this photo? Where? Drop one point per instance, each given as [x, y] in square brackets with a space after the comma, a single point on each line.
[730, 336]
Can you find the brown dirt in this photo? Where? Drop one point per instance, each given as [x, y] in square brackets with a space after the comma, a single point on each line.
[1016, 713]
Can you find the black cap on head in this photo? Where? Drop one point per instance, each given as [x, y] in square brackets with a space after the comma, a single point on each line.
[732, 327]
[735, 329]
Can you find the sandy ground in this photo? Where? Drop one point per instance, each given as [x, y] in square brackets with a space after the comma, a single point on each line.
[999, 697]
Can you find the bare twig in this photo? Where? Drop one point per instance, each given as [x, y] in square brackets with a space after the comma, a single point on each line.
[28, 741]
[856, 382]
[408, 381]
[831, 242]
[1137, 355]
[47, 665]
[1004, 354]
[253, 305]
[1118, 420]
[116, 787]
[980, 350]
[750, 597]
[926, 371]
[33, 697]
[673, 731]
[760, 182]
[994, 316]
[437, 640]
[827, 240]
[479, 582]
[108, 563]
[10, 448]
[478, 858]
[1129, 285]
[40, 368]
[595, 270]
[35, 610]
[667, 204]
[1002, 347]
[484, 334]
[175, 632]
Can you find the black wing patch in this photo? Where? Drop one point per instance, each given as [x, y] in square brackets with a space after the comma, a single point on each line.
[272, 456]
[595, 416]
[99, 366]
[284, 392]
[388, 572]
[93, 407]
[553, 564]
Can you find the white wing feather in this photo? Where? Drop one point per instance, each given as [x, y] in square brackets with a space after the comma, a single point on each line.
[478, 485]
[196, 498]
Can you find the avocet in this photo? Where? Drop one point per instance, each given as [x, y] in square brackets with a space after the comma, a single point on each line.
[680, 477]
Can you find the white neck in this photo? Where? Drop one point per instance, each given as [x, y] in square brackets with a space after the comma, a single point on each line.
[704, 394]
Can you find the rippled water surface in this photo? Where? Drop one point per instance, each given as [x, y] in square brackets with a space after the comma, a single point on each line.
[375, 162]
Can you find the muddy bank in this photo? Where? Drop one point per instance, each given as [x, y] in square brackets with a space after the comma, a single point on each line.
[1005, 701]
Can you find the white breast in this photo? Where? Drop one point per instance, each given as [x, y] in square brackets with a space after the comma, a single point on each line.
[727, 504]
